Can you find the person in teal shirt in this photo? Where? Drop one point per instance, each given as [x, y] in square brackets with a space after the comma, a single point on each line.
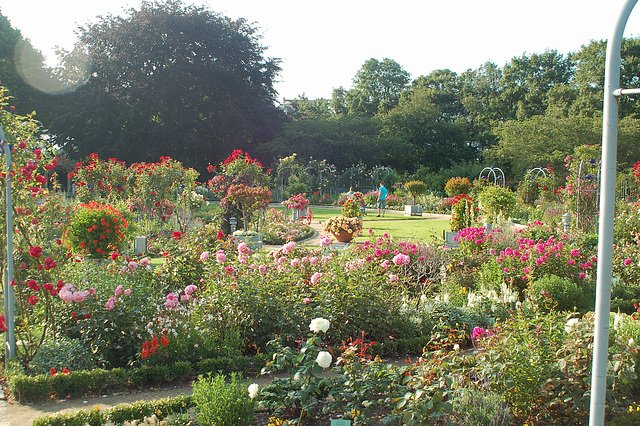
[382, 199]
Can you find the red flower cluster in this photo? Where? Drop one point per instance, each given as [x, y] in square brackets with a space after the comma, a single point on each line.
[150, 348]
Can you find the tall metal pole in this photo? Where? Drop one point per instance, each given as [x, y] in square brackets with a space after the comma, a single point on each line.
[9, 311]
[605, 227]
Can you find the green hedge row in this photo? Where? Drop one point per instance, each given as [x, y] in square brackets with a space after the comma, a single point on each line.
[120, 414]
[80, 383]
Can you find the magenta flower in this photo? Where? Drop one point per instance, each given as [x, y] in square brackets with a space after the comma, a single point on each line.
[306, 300]
[627, 262]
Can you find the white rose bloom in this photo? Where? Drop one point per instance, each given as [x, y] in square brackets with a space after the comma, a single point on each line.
[617, 322]
[253, 390]
[319, 324]
[571, 325]
[632, 342]
[324, 359]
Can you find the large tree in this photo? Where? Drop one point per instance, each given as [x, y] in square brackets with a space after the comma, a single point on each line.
[377, 87]
[434, 142]
[169, 80]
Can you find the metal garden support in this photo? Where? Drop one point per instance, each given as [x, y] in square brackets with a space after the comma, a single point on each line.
[9, 307]
[605, 228]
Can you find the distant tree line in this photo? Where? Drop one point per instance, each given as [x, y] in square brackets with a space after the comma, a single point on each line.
[169, 79]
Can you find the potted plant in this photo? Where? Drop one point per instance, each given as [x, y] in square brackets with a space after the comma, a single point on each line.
[415, 188]
[342, 227]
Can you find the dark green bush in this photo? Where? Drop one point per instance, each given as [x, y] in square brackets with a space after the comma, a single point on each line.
[63, 352]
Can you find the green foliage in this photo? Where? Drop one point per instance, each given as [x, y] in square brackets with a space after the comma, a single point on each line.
[496, 201]
[63, 352]
[562, 294]
[464, 213]
[476, 406]
[97, 230]
[137, 412]
[415, 188]
[219, 403]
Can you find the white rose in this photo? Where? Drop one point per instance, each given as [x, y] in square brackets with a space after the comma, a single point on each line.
[253, 390]
[571, 325]
[632, 342]
[319, 324]
[324, 359]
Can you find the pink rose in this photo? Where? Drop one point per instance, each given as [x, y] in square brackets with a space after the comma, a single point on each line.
[220, 256]
[111, 303]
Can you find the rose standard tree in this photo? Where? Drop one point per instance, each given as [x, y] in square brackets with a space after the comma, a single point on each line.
[242, 186]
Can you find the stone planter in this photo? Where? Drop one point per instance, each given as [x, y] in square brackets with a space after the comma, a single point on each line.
[449, 239]
[412, 210]
[254, 242]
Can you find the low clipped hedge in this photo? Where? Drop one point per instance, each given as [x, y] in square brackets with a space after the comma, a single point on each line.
[25, 388]
[121, 414]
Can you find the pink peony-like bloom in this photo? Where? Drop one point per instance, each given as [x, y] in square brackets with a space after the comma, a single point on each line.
[144, 262]
[111, 303]
[172, 301]
[78, 296]
[306, 300]
[315, 277]
[220, 256]
[393, 277]
[204, 256]
[119, 290]
[295, 262]
[127, 292]
[325, 240]
[627, 262]
[185, 298]
[262, 269]
[244, 249]
[287, 248]
[401, 259]
[132, 265]
[190, 289]
[385, 263]
[313, 260]
[243, 259]
[582, 275]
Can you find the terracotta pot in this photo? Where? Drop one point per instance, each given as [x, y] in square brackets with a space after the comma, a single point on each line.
[343, 236]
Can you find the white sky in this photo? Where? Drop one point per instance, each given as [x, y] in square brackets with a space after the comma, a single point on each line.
[324, 44]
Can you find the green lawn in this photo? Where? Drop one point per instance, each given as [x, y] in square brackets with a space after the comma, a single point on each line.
[416, 228]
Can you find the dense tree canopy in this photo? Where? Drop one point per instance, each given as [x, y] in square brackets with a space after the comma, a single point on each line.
[169, 80]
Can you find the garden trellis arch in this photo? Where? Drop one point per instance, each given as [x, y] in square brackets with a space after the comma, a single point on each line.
[612, 91]
[588, 199]
[532, 175]
[496, 172]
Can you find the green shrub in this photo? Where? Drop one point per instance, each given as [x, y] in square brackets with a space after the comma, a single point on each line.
[219, 403]
[479, 407]
[552, 292]
[60, 353]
